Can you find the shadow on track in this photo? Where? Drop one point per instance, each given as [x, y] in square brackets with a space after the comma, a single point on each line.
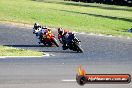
[66, 51]
[48, 51]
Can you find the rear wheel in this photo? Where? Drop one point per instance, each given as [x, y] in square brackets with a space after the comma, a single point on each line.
[55, 42]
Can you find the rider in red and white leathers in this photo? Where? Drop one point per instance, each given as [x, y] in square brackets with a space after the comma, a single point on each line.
[39, 31]
[64, 37]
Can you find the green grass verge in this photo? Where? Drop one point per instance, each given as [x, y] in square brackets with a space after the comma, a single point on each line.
[86, 17]
[10, 51]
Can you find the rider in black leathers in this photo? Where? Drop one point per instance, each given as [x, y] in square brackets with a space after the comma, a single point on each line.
[64, 37]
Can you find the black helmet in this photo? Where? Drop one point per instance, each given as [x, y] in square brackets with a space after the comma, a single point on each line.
[60, 31]
[44, 27]
[36, 25]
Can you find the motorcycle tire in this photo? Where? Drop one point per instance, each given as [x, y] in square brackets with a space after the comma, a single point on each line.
[55, 42]
[44, 43]
[49, 44]
[79, 48]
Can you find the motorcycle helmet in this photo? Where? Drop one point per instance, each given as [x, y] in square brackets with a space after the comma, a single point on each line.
[44, 27]
[36, 25]
[60, 31]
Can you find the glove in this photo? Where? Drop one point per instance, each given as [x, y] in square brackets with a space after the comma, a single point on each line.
[61, 41]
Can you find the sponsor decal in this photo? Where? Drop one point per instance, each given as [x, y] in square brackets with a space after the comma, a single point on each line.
[83, 78]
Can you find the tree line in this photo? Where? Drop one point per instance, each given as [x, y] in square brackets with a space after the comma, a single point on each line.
[112, 2]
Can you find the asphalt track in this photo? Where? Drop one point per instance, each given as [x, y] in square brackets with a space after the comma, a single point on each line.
[101, 55]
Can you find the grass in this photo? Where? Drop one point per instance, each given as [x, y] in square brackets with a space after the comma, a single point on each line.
[86, 17]
[10, 51]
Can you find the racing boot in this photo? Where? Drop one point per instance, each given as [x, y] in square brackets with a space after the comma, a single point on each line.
[64, 47]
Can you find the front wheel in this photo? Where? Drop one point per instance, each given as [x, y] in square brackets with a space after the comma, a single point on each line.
[79, 48]
[55, 42]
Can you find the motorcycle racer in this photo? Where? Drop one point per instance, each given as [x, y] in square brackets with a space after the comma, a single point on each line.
[36, 27]
[64, 37]
[45, 31]
[39, 31]
[44, 35]
[69, 40]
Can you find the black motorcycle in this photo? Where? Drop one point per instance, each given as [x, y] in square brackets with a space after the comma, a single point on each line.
[73, 43]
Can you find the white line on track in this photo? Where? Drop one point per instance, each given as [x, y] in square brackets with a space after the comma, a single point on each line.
[2, 57]
[128, 38]
[46, 55]
[110, 36]
[101, 35]
[68, 80]
[20, 56]
[82, 33]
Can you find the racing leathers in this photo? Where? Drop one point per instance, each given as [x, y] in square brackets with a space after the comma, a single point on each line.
[39, 33]
[65, 39]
